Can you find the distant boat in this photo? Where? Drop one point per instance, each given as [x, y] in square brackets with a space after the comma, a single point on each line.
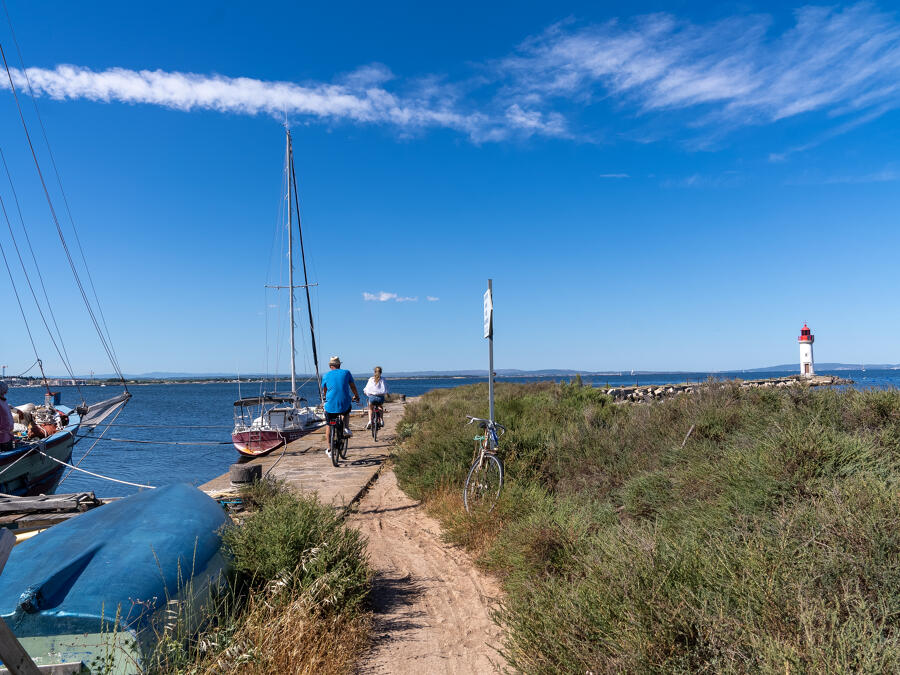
[107, 582]
[266, 422]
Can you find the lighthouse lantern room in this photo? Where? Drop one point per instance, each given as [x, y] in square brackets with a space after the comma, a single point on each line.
[806, 340]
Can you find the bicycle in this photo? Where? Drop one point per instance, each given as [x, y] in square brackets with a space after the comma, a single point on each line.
[377, 419]
[485, 479]
[339, 443]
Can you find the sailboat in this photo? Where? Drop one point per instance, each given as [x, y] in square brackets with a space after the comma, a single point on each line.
[268, 421]
[44, 435]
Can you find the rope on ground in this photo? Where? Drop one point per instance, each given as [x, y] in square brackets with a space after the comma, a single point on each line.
[142, 442]
[96, 475]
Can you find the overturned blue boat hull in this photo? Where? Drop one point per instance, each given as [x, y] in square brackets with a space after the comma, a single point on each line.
[102, 587]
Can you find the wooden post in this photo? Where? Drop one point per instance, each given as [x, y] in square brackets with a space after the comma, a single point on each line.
[12, 653]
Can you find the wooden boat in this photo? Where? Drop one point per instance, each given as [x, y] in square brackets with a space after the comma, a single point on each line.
[29, 468]
[280, 421]
[266, 422]
[107, 582]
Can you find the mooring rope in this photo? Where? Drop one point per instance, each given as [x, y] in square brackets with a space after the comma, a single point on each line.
[91, 473]
[143, 442]
[7, 468]
[93, 445]
[172, 426]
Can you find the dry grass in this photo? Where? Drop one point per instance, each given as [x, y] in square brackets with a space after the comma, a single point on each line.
[290, 637]
[297, 602]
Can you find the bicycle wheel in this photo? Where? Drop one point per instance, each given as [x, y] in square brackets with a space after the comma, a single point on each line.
[483, 483]
[337, 431]
[344, 445]
[375, 426]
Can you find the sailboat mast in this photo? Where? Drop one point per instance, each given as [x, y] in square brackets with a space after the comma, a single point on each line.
[312, 332]
[289, 167]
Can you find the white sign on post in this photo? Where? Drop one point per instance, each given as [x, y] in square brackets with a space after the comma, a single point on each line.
[488, 314]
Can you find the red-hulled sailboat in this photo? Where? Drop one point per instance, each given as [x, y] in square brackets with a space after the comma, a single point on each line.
[268, 421]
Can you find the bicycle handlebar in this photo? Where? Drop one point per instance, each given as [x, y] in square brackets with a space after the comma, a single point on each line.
[486, 423]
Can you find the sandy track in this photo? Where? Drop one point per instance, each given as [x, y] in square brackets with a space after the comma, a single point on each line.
[431, 605]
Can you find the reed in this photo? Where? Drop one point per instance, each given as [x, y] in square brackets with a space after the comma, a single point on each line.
[767, 541]
[296, 601]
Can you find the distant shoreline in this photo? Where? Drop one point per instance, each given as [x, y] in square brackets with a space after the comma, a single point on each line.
[466, 375]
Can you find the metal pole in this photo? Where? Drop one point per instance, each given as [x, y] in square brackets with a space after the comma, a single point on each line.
[491, 354]
[291, 264]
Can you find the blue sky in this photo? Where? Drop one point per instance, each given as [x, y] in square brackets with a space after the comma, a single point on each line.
[667, 188]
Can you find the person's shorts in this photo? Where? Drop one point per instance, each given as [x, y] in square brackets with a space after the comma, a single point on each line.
[376, 400]
[330, 416]
[4, 447]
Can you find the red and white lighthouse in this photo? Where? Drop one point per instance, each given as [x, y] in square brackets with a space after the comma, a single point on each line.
[806, 340]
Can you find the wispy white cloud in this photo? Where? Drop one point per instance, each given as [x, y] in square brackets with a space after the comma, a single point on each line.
[381, 296]
[694, 78]
[431, 298]
[731, 72]
[384, 296]
[358, 97]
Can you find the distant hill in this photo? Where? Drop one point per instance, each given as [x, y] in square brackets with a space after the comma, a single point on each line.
[826, 366]
[501, 372]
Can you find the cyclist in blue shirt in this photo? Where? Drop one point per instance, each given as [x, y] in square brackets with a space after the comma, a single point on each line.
[336, 387]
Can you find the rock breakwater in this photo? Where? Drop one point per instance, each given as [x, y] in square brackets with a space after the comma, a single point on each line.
[655, 392]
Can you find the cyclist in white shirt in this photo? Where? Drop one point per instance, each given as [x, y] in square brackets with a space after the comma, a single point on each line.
[375, 389]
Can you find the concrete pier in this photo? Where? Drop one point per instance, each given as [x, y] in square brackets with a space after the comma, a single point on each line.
[305, 467]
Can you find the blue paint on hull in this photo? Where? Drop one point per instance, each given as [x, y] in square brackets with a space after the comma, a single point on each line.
[121, 562]
[26, 472]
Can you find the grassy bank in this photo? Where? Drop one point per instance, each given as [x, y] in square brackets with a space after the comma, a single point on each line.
[768, 541]
[296, 602]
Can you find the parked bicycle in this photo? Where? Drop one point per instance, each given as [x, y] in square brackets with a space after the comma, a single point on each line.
[377, 419]
[485, 479]
[339, 443]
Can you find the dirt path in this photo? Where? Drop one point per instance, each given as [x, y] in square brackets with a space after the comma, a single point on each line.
[431, 605]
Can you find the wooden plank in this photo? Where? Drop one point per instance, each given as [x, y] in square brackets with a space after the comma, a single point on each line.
[7, 541]
[13, 654]
[40, 520]
[9, 520]
[81, 501]
[37, 506]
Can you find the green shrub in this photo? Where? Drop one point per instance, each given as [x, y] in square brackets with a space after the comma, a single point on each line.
[767, 540]
[295, 540]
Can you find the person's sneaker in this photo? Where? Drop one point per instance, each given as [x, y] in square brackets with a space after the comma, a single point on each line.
[328, 452]
[348, 432]
[368, 425]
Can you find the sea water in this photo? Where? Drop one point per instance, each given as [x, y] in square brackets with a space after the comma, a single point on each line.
[170, 433]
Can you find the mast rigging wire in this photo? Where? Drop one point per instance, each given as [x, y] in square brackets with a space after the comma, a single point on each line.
[22, 311]
[59, 231]
[93, 445]
[59, 182]
[61, 347]
[312, 331]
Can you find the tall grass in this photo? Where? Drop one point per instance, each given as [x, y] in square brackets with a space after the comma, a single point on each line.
[768, 541]
[296, 602]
